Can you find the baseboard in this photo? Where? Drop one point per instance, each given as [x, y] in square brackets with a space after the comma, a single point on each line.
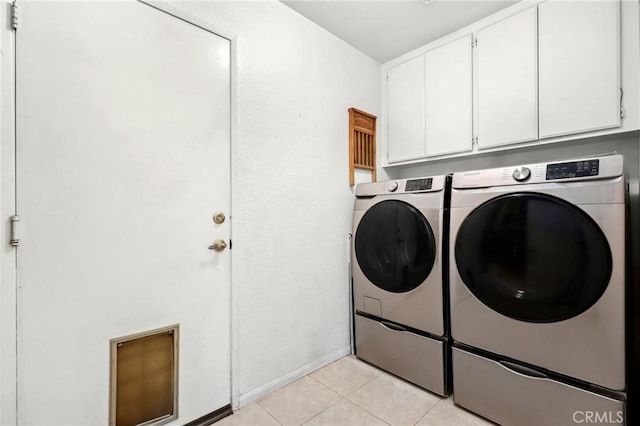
[211, 418]
[273, 385]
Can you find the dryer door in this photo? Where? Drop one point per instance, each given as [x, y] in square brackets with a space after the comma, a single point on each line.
[395, 246]
[533, 257]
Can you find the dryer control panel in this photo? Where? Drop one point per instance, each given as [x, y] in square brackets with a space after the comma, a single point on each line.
[573, 169]
[579, 169]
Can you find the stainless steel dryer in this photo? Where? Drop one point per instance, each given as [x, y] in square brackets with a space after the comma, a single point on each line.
[538, 291]
[398, 279]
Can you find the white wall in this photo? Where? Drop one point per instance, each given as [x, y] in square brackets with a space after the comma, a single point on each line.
[292, 200]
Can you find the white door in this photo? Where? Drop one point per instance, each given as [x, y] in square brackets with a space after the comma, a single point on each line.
[123, 153]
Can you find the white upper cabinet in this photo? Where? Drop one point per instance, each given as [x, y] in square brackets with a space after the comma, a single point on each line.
[579, 54]
[448, 107]
[540, 72]
[405, 110]
[507, 80]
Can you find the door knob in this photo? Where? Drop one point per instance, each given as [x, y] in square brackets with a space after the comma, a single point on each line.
[218, 245]
[218, 217]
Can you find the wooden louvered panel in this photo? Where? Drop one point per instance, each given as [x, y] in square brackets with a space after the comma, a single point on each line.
[364, 150]
[362, 143]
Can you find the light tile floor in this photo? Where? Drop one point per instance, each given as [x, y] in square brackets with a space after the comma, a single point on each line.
[351, 392]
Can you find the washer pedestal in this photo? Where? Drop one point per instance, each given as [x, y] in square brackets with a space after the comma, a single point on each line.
[416, 358]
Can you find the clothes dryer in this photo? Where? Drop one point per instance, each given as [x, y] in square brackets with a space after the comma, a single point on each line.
[538, 262]
[398, 275]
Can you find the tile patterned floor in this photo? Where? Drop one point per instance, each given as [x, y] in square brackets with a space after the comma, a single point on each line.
[351, 392]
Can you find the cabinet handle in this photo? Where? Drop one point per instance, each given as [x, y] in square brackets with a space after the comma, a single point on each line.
[392, 327]
[523, 370]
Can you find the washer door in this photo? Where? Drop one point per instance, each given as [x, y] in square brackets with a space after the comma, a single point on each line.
[533, 257]
[394, 246]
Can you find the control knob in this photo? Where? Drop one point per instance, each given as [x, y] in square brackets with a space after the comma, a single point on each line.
[392, 186]
[521, 174]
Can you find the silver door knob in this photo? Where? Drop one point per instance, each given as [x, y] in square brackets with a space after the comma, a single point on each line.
[218, 245]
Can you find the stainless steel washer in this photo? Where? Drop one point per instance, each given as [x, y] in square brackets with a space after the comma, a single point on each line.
[398, 278]
[538, 289]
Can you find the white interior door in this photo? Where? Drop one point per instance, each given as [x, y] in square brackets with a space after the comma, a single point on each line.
[123, 156]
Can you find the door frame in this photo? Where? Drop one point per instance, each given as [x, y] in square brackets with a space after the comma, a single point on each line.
[8, 254]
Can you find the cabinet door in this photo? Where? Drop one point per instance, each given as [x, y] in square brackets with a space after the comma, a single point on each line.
[405, 111]
[579, 66]
[507, 69]
[449, 98]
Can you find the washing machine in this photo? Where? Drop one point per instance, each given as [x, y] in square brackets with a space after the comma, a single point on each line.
[537, 291]
[398, 279]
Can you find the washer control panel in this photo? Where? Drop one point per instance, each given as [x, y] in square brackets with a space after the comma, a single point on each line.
[573, 169]
[418, 184]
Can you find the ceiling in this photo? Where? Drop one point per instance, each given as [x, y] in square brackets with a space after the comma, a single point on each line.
[386, 29]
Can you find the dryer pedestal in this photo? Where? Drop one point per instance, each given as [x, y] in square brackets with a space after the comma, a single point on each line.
[507, 397]
[411, 356]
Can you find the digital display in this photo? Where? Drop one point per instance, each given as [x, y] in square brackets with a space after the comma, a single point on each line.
[573, 169]
[418, 184]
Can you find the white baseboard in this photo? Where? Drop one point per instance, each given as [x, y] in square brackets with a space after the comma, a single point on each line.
[273, 385]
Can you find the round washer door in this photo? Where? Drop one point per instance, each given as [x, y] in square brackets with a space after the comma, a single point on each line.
[533, 257]
[394, 246]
